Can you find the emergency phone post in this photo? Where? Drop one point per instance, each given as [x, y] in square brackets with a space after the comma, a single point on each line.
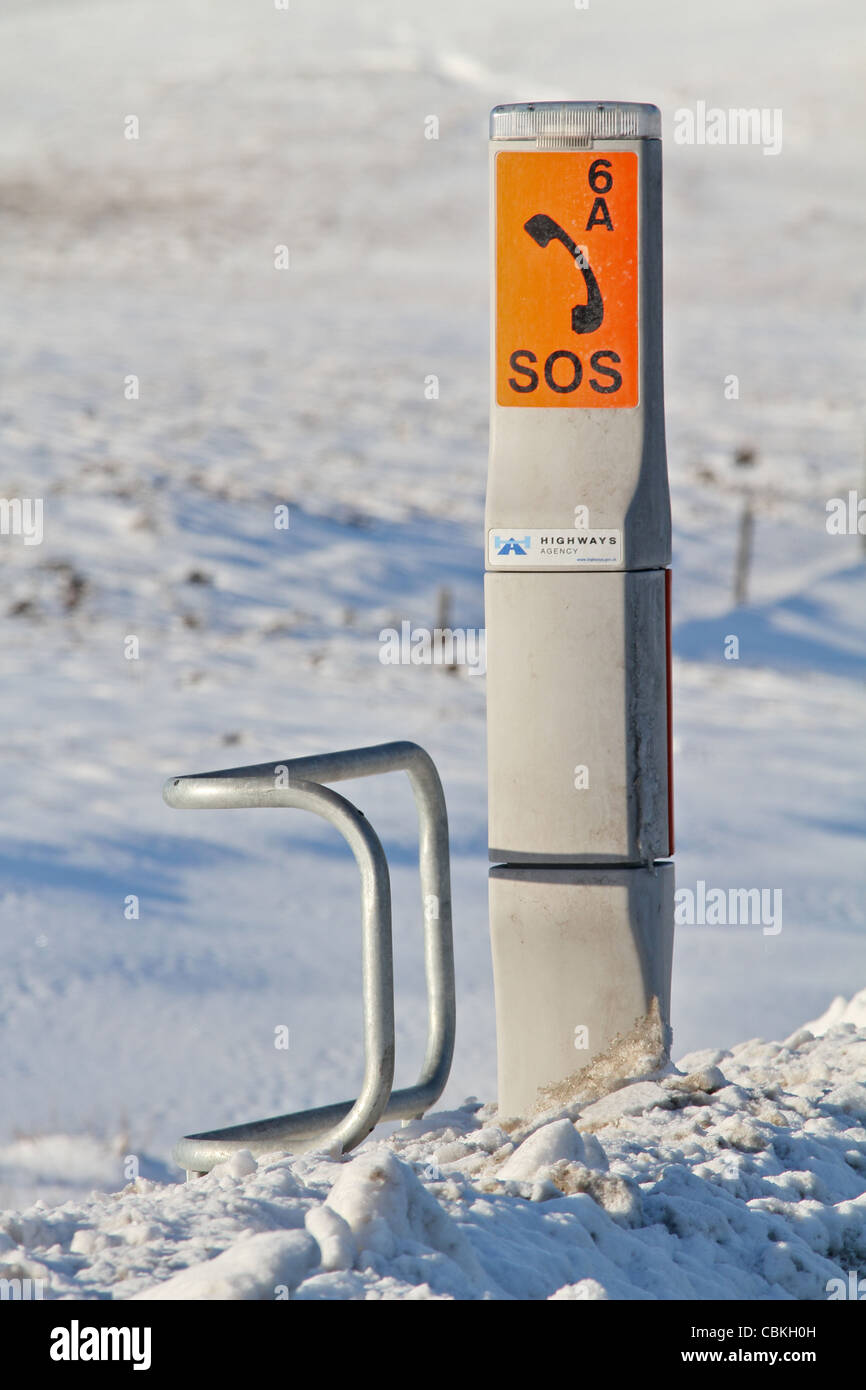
[577, 591]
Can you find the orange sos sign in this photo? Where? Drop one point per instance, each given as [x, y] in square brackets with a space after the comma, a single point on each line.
[567, 279]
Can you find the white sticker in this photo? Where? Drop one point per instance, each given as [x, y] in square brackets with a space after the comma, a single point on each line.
[535, 549]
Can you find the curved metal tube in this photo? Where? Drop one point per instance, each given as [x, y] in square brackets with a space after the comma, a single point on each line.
[295, 782]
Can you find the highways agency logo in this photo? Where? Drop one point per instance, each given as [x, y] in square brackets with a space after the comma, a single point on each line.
[579, 547]
[512, 546]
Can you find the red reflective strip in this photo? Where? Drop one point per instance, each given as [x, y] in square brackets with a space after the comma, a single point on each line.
[668, 588]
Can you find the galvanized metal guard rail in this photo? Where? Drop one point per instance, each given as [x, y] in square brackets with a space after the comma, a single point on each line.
[296, 783]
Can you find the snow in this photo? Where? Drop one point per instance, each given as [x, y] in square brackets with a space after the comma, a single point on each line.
[267, 1265]
[841, 1010]
[556, 1142]
[306, 388]
[741, 1179]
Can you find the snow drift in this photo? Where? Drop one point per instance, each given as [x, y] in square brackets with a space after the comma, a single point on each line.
[735, 1174]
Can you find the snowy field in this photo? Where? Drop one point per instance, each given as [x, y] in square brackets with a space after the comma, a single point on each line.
[258, 387]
